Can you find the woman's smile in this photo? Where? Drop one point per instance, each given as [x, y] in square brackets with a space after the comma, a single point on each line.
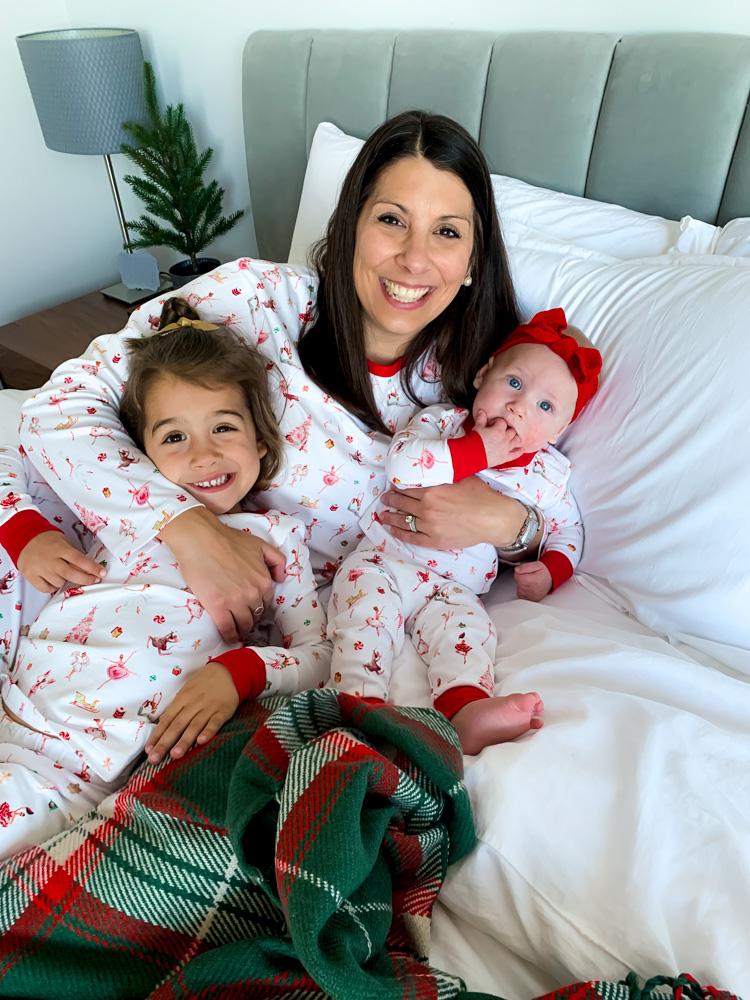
[405, 296]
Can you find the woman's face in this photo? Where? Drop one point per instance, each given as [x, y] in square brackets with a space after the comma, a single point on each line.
[415, 236]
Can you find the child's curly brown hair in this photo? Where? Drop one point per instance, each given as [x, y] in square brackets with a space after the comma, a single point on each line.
[209, 358]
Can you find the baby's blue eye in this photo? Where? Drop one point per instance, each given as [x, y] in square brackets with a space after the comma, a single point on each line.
[513, 382]
[547, 407]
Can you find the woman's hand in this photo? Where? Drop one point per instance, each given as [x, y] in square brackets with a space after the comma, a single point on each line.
[202, 706]
[231, 572]
[49, 560]
[456, 516]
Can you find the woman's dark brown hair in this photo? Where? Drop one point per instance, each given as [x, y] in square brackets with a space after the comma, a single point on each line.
[209, 358]
[469, 329]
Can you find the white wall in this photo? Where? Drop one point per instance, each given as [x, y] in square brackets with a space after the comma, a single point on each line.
[59, 229]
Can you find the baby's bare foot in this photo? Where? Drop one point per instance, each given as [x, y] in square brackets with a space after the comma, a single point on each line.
[488, 721]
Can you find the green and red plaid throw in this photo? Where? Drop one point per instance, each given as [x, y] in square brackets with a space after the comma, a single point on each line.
[297, 855]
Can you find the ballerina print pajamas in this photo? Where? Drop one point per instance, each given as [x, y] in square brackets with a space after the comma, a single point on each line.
[388, 588]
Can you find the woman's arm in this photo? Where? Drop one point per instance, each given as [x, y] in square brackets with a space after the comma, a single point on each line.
[457, 516]
[72, 433]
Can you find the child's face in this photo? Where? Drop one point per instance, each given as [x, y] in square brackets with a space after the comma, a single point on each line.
[204, 441]
[531, 389]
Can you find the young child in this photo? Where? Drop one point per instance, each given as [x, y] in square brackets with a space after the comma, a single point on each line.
[103, 660]
[528, 393]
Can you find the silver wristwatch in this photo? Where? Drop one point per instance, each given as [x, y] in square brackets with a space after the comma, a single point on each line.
[531, 525]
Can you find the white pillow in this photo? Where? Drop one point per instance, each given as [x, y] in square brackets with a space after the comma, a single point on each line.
[733, 239]
[331, 154]
[517, 236]
[610, 229]
[661, 456]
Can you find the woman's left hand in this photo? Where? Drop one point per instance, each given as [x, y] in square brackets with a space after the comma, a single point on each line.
[454, 517]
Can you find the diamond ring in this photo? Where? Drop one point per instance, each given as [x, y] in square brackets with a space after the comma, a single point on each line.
[258, 611]
[411, 521]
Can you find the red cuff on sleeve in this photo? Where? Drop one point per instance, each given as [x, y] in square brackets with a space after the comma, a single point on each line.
[468, 455]
[247, 670]
[17, 532]
[455, 698]
[560, 567]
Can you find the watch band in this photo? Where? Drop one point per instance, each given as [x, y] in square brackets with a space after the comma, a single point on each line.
[531, 525]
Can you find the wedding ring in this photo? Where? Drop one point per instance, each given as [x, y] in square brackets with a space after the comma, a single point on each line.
[258, 611]
[411, 521]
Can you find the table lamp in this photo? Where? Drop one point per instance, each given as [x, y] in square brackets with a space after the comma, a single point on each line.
[85, 82]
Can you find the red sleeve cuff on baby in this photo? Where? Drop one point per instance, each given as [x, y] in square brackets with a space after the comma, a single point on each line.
[468, 455]
[560, 567]
[247, 670]
[450, 702]
[17, 532]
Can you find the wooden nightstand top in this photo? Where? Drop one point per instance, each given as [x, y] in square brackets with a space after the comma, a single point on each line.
[31, 348]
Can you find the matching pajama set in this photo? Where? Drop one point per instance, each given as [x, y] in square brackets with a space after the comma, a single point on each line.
[387, 588]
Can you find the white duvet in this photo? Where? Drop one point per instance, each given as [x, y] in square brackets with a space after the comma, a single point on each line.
[617, 837]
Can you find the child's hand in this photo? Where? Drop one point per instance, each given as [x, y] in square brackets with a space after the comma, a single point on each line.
[49, 560]
[533, 581]
[202, 706]
[501, 443]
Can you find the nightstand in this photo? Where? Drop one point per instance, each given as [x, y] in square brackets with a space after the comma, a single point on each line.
[31, 348]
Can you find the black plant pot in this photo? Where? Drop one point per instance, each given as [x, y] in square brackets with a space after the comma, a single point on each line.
[182, 272]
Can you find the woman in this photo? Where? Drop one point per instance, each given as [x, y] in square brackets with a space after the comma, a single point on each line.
[412, 294]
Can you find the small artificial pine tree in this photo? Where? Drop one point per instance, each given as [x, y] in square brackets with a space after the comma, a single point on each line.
[172, 186]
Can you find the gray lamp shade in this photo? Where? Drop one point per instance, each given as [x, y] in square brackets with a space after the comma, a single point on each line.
[85, 82]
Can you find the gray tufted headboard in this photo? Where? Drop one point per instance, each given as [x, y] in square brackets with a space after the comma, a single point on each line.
[658, 123]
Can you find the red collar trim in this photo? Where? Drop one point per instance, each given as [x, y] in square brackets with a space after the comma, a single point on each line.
[517, 463]
[385, 370]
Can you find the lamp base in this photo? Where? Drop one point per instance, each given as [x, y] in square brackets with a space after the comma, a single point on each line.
[134, 296]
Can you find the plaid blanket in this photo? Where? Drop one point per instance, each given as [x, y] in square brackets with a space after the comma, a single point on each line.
[298, 855]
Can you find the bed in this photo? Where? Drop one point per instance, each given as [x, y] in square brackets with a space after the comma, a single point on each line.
[618, 837]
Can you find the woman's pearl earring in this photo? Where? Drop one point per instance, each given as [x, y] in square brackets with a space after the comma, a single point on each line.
[467, 280]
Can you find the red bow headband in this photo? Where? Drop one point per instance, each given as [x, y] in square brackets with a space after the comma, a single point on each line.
[584, 363]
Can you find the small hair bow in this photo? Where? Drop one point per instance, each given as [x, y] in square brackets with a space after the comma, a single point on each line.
[197, 324]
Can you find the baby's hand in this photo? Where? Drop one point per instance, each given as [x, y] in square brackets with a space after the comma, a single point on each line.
[202, 706]
[501, 443]
[49, 560]
[533, 581]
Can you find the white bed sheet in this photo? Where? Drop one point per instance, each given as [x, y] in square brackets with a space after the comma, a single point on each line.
[617, 837]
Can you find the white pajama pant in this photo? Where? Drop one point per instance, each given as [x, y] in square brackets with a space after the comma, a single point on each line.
[44, 787]
[377, 598]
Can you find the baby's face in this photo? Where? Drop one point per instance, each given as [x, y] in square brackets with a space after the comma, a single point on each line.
[204, 441]
[531, 389]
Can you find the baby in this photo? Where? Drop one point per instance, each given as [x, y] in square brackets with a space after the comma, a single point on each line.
[528, 393]
[93, 673]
